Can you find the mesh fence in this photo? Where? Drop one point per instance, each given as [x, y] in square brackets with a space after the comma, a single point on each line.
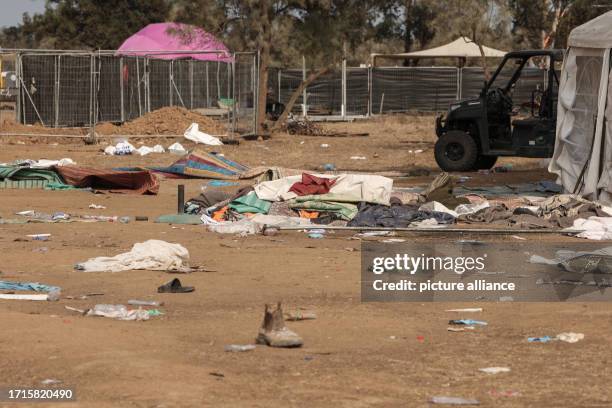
[404, 89]
[71, 90]
[245, 93]
[393, 89]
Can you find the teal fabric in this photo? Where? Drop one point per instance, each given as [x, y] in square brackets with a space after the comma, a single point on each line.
[250, 203]
[15, 173]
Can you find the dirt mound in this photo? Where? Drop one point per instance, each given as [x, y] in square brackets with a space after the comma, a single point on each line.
[164, 121]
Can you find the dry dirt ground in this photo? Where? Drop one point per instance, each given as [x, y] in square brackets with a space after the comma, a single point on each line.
[355, 354]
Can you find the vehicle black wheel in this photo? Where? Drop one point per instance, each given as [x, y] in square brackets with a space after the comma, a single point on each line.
[485, 162]
[456, 151]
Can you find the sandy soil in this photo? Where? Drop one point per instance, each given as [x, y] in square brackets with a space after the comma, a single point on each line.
[355, 354]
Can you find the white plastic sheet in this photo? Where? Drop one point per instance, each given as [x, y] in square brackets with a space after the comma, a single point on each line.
[194, 134]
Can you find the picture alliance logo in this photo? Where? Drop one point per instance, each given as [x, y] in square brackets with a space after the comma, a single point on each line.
[422, 263]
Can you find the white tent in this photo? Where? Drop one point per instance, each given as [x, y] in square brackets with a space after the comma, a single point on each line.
[461, 48]
[583, 146]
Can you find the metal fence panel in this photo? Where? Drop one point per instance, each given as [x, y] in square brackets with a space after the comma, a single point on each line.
[38, 89]
[245, 94]
[109, 88]
[357, 91]
[401, 89]
[75, 90]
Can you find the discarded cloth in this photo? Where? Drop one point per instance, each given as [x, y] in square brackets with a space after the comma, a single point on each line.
[310, 185]
[250, 203]
[154, 255]
[595, 228]
[597, 261]
[360, 187]
[395, 216]
[141, 182]
[199, 164]
[119, 312]
[441, 190]
[194, 134]
[255, 224]
[327, 203]
[10, 176]
[29, 286]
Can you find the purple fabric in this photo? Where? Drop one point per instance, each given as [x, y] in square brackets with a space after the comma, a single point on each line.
[174, 37]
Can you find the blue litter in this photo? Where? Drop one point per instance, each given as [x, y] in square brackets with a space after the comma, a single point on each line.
[30, 286]
[544, 339]
[222, 183]
[315, 235]
[468, 322]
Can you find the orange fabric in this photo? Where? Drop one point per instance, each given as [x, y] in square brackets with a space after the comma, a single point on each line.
[219, 215]
[309, 214]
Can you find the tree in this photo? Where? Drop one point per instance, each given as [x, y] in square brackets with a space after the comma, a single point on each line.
[85, 24]
[281, 31]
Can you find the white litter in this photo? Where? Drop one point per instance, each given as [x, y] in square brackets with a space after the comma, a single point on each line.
[570, 337]
[23, 297]
[153, 255]
[495, 370]
[467, 310]
[119, 312]
[358, 157]
[177, 148]
[193, 133]
[120, 149]
[324, 145]
[96, 206]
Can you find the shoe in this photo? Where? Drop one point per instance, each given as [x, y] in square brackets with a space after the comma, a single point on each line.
[273, 331]
[174, 286]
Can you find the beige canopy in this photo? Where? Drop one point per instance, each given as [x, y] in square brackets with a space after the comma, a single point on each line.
[462, 48]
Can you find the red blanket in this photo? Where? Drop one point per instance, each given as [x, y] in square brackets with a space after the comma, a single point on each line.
[312, 185]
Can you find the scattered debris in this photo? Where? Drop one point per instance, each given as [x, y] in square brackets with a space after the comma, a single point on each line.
[145, 303]
[460, 329]
[154, 255]
[468, 322]
[296, 316]
[466, 310]
[119, 312]
[238, 348]
[194, 134]
[97, 207]
[39, 237]
[570, 337]
[495, 370]
[544, 339]
[453, 401]
[50, 381]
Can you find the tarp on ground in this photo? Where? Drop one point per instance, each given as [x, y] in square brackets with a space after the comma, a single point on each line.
[26, 177]
[140, 182]
[200, 164]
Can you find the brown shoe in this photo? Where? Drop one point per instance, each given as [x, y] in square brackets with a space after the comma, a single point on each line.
[273, 331]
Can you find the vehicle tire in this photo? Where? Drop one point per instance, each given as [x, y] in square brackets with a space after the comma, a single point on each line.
[485, 162]
[456, 151]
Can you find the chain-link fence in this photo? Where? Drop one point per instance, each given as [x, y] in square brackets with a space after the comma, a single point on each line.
[80, 89]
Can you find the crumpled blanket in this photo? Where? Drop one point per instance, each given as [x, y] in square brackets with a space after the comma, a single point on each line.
[395, 216]
[153, 255]
[312, 185]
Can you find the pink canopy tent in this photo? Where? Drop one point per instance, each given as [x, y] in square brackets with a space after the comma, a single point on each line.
[155, 39]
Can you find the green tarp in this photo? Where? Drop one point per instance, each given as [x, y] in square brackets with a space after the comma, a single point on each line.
[342, 205]
[250, 204]
[25, 177]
